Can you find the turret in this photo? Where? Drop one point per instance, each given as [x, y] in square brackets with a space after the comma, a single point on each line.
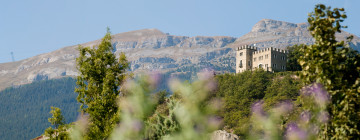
[244, 58]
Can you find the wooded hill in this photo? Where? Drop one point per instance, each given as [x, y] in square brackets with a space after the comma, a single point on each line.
[24, 110]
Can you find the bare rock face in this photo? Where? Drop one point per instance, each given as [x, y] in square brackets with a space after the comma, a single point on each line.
[223, 135]
[266, 25]
[280, 34]
[151, 49]
[147, 50]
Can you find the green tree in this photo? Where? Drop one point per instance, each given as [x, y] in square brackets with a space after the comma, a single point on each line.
[57, 118]
[60, 131]
[99, 80]
[293, 56]
[282, 88]
[49, 132]
[239, 92]
[333, 64]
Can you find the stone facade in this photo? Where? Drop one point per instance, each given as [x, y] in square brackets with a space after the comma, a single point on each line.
[269, 59]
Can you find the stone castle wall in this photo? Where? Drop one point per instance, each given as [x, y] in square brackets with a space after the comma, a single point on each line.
[269, 59]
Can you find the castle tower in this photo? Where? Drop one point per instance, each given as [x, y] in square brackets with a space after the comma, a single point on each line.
[244, 58]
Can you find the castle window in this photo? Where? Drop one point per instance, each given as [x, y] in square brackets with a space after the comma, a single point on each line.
[240, 64]
[241, 53]
[283, 58]
[261, 57]
[254, 59]
[266, 56]
[274, 55]
[274, 65]
[249, 63]
[266, 65]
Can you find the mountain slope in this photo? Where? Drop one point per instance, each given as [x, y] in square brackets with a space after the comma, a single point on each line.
[24, 111]
[151, 49]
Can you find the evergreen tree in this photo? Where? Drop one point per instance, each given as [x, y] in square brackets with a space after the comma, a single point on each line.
[57, 118]
[100, 76]
[337, 67]
[60, 131]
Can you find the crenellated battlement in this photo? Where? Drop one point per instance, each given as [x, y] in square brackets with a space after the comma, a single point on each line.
[256, 51]
[246, 47]
[269, 49]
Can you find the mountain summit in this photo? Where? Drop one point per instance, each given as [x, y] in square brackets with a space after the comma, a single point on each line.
[267, 25]
[135, 35]
[151, 49]
[280, 34]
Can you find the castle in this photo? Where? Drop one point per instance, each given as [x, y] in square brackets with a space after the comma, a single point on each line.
[269, 59]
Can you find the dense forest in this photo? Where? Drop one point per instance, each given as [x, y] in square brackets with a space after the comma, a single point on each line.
[240, 91]
[24, 110]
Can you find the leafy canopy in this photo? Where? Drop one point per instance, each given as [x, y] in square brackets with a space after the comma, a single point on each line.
[333, 64]
[101, 75]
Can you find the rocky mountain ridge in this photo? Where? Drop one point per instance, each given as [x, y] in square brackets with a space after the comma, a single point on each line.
[151, 49]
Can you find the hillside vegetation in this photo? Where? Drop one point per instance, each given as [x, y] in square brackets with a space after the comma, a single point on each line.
[24, 110]
[240, 91]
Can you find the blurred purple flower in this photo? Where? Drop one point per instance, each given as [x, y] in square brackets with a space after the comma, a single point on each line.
[313, 129]
[154, 78]
[211, 85]
[305, 116]
[318, 92]
[137, 125]
[294, 132]
[215, 121]
[285, 107]
[324, 117]
[321, 95]
[206, 74]
[306, 90]
[257, 108]
[292, 127]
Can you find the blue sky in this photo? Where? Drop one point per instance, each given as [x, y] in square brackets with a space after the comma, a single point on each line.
[29, 28]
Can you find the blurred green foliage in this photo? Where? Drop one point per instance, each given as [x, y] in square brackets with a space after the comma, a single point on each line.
[145, 114]
[275, 123]
[336, 66]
